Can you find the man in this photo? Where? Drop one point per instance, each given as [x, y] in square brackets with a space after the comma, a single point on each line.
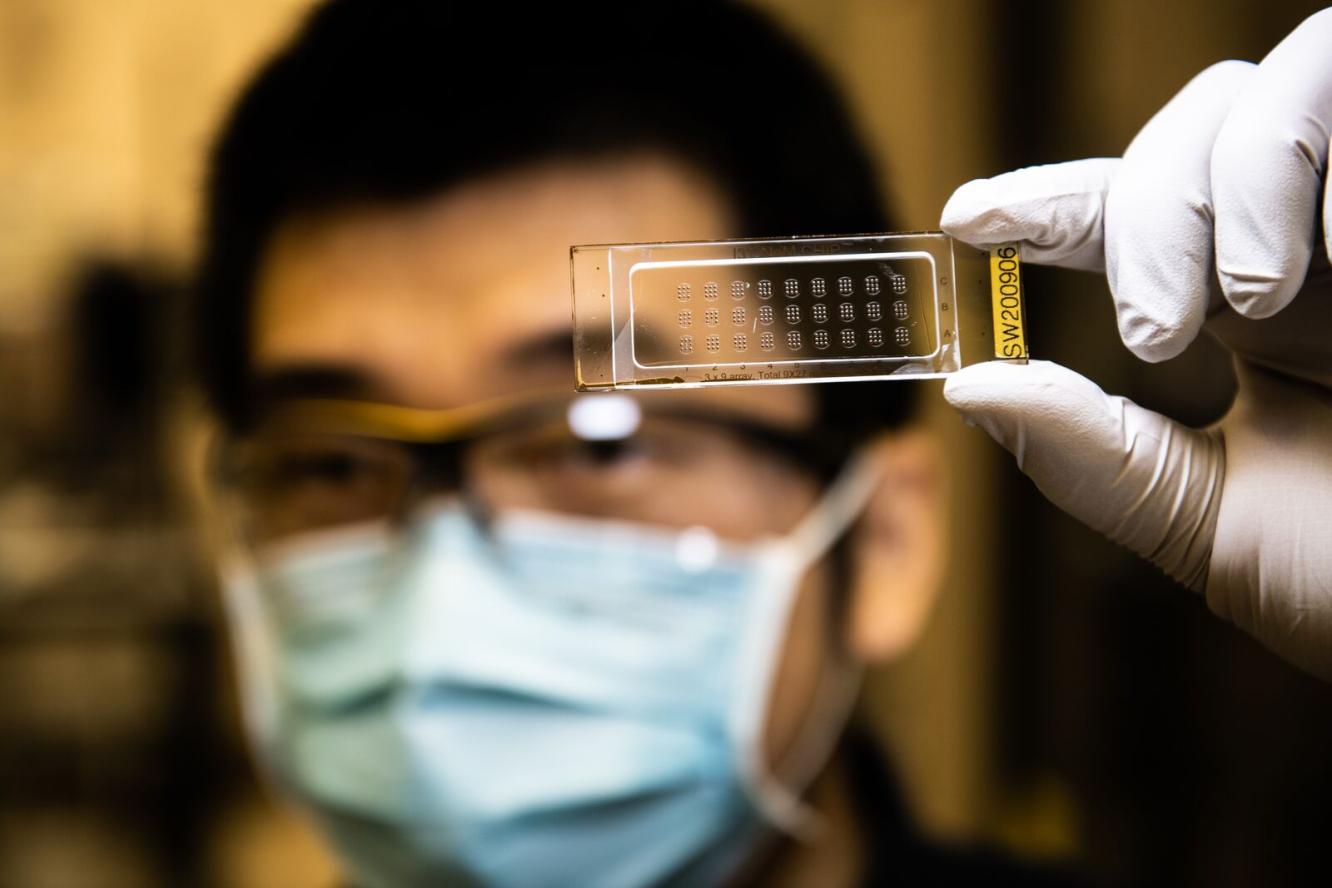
[489, 632]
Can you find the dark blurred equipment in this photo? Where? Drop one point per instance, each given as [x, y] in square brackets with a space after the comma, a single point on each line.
[118, 319]
[110, 731]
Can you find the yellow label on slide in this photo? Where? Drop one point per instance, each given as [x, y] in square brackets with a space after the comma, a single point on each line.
[1010, 333]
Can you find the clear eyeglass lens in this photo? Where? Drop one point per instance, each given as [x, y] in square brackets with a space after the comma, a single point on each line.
[668, 473]
[289, 485]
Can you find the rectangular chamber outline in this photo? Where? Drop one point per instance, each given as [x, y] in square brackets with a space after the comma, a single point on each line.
[909, 305]
[781, 296]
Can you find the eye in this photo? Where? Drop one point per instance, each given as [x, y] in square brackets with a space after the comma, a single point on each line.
[291, 486]
[609, 453]
[328, 468]
[566, 453]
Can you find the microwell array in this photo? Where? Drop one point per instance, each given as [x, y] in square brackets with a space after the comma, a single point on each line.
[784, 310]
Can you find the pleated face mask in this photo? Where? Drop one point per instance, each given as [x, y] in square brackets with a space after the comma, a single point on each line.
[547, 701]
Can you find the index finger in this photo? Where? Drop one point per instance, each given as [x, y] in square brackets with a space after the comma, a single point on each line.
[1268, 168]
[1057, 212]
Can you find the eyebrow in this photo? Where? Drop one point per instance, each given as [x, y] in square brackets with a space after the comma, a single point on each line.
[314, 380]
[560, 344]
[550, 347]
[336, 380]
[556, 347]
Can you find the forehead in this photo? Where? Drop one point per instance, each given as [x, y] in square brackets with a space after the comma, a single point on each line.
[465, 296]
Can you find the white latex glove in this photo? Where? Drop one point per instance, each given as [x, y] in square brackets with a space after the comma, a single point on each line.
[1209, 221]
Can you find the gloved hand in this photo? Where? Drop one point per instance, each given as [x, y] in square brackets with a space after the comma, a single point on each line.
[1209, 221]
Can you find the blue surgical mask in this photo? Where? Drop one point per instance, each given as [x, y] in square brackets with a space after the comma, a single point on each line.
[550, 701]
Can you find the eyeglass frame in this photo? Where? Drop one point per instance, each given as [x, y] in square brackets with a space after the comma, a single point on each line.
[435, 439]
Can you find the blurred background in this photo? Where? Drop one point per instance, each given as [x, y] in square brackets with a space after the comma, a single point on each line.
[1067, 701]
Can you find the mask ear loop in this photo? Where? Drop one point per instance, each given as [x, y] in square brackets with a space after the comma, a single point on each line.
[252, 644]
[777, 789]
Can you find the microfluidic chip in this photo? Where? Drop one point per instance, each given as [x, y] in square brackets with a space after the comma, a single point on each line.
[808, 309]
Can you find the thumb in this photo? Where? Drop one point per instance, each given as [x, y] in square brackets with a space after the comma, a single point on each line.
[1141, 479]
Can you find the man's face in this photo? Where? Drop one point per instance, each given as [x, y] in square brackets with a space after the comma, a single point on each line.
[465, 297]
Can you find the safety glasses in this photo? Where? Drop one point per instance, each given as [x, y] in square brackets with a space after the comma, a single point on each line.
[318, 464]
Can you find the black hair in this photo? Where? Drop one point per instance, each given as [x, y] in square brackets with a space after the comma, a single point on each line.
[388, 100]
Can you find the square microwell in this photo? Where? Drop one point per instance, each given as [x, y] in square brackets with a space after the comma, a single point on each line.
[855, 307]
